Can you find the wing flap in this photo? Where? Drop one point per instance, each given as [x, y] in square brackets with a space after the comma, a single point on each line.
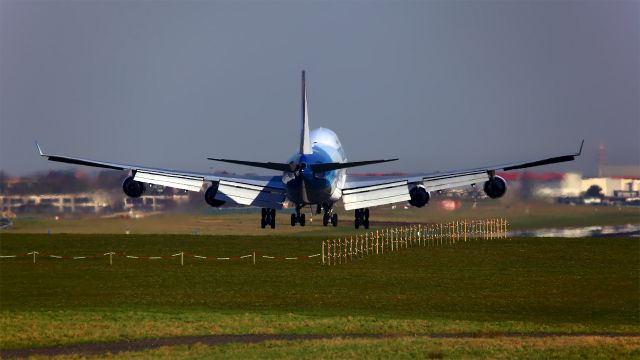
[183, 182]
[247, 194]
[376, 195]
[454, 181]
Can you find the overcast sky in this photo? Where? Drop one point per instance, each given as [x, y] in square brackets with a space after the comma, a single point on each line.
[441, 85]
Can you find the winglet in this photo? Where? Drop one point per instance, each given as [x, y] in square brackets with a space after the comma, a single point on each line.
[580, 150]
[39, 149]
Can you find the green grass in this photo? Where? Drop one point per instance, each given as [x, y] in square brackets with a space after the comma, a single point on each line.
[529, 285]
[406, 348]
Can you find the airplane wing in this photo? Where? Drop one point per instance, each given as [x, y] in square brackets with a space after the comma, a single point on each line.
[261, 191]
[367, 191]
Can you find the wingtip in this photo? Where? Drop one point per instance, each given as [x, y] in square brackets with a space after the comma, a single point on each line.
[39, 148]
[580, 150]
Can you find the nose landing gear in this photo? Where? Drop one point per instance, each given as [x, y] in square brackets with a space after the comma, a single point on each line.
[361, 218]
[329, 217]
[268, 218]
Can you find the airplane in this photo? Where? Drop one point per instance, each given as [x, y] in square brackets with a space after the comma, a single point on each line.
[316, 174]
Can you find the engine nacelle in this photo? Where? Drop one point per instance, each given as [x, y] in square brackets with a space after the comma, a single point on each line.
[133, 188]
[495, 187]
[210, 196]
[419, 196]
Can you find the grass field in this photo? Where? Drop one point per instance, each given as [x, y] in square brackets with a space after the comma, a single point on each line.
[519, 285]
[214, 222]
[405, 348]
[410, 348]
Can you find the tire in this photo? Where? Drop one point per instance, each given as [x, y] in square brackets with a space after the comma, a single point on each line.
[325, 219]
[302, 220]
[357, 223]
[263, 223]
[366, 223]
[366, 215]
[273, 220]
[334, 220]
[264, 213]
[293, 220]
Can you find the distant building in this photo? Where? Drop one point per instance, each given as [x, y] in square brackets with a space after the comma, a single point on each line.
[571, 184]
[611, 185]
[89, 202]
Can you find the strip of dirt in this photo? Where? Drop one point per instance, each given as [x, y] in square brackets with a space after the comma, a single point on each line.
[145, 344]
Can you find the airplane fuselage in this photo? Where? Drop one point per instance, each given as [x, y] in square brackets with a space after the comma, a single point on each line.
[305, 186]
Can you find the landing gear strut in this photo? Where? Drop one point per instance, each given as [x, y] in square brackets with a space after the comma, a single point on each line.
[268, 218]
[329, 217]
[362, 218]
[298, 218]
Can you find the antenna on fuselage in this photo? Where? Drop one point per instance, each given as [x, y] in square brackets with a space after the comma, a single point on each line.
[305, 142]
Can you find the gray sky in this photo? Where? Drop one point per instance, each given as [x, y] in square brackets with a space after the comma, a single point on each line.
[441, 85]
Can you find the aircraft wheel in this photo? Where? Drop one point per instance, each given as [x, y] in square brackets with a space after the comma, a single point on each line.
[263, 218]
[334, 220]
[293, 220]
[302, 220]
[366, 223]
[273, 219]
[325, 220]
[357, 223]
[366, 214]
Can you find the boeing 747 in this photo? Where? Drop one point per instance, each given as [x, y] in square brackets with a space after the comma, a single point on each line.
[316, 174]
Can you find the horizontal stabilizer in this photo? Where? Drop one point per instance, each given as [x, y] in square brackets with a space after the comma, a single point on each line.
[336, 166]
[264, 165]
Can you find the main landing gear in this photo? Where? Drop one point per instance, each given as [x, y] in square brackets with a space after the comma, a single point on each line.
[362, 218]
[268, 218]
[298, 218]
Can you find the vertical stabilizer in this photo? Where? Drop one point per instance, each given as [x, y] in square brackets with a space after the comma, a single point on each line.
[305, 142]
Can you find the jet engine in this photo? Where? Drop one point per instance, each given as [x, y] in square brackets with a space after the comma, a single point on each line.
[419, 196]
[133, 188]
[210, 196]
[495, 187]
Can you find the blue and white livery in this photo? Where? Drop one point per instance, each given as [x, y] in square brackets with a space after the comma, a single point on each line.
[315, 175]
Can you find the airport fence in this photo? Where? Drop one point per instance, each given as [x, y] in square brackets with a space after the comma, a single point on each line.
[336, 251]
[373, 243]
[182, 256]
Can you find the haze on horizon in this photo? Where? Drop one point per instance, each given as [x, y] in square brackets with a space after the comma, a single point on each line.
[441, 85]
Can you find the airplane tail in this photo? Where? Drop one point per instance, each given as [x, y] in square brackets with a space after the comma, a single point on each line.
[305, 148]
[305, 142]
